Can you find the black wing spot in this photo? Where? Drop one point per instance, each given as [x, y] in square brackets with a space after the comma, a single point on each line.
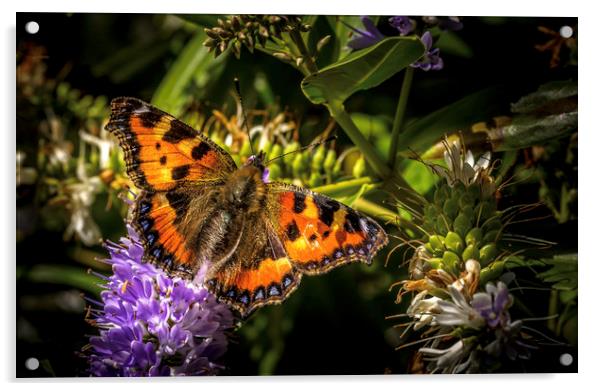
[299, 202]
[178, 131]
[179, 203]
[180, 172]
[158, 146]
[163, 160]
[292, 231]
[150, 119]
[326, 209]
[200, 151]
[352, 223]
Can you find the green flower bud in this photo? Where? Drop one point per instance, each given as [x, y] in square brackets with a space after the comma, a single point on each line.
[458, 191]
[475, 191]
[451, 262]
[491, 272]
[490, 236]
[430, 212]
[275, 171]
[437, 242]
[435, 263]
[359, 168]
[450, 208]
[288, 159]
[488, 253]
[317, 160]
[275, 151]
[474, 236]
[299, 166]
[442, 225]
[441, 194]
[454, 242]
[493, 224]
[467, 200]
[315, 179]
[470, 252]
[330, 160]
[245, 150]
[462, 224]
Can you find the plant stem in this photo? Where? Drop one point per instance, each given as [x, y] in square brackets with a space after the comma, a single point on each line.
[340, 188]
[400, 114]
[308, 61]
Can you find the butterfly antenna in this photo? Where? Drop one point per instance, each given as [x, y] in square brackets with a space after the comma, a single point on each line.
[302, 149]
[244, 114]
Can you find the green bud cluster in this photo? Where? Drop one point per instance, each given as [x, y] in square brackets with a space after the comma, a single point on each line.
[250, 30]
[462, 224]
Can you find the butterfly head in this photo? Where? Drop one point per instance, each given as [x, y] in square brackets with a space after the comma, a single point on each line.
[258, 161]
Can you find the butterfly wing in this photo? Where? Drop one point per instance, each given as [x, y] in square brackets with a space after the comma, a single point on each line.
[319, 233]
[257, 273]
[162, 152]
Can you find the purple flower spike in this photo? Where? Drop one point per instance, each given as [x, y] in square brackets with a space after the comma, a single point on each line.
[365, 38]
[403, 24]
[154, 325]
[430, 60]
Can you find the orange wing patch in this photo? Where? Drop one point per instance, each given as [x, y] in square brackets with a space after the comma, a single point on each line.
[272, 281]
[155, 218]
[161, 151]
[319, 233]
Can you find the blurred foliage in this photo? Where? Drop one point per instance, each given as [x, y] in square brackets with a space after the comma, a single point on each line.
[70, 174]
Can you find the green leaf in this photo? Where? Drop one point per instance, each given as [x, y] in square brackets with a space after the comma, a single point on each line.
[528, 130]
[418, 175]
[362, 70]
[420, 134]
[547, 94]
[169, 94]
[65, 275]
[451, 43]
[563, 273]
[545, 115]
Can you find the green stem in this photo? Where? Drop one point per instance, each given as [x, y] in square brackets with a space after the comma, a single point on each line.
[374, 210]
[344, 120]
[308, 61]
[392, 181]
[400, 114]
[335, 189]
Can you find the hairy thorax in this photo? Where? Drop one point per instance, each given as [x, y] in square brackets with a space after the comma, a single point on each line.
[245, 190]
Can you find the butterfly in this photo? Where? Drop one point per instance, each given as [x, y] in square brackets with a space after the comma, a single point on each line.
[196, 210]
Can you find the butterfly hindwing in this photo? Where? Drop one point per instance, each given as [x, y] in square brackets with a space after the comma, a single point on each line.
[319, 233]
[162, 152]
[157, 217]
[259, 273]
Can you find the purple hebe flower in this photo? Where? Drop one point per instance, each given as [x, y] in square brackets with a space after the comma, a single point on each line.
[403, 24]
[431, 60]
[154, 325]
[493, 305]
[365, 38]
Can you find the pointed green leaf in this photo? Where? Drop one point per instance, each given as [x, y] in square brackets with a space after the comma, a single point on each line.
[362, 70]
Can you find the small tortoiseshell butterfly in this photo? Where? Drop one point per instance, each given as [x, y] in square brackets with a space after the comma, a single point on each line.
[195, 208]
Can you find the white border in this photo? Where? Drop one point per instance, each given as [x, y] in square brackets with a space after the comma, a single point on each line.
[589, 197]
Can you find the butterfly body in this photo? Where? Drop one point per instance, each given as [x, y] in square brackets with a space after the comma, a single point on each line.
[196, 210]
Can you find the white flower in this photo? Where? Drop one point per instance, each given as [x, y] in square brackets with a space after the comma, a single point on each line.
[461, 167]
[458, 312]
[104, 144]
[424, 309]
[435, 311]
